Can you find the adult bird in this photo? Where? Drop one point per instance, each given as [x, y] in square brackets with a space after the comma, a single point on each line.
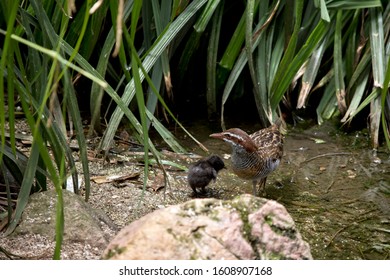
[256, 155]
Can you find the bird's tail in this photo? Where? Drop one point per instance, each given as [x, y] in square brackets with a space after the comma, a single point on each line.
[281, 125]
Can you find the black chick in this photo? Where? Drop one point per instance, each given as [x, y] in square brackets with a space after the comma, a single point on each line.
[203, 171]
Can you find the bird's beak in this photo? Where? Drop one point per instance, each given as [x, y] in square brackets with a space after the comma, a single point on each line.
[217, 135]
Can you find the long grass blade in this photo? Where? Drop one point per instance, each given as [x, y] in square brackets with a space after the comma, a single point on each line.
[352, 4]
[385, 116]
[378, 68]
[212, 54]
[356, 99]
[56, 56]
[259, 96]
[155, 91]
[102, 65]
[234, 47]
[328, 103]
[161, 19]
[206, 15]
[157, 73]
[280, 86]
[339, 65]
[377, 46]
[324, 11]
[3, 64]
[149, 61]
[311, 73]
[287, 57]
[166, 135]
[25, 188]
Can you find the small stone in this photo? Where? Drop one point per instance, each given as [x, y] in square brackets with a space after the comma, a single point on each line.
[351, 174]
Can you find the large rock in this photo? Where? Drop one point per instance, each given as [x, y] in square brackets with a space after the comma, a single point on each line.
[246, 227]
[82, 223]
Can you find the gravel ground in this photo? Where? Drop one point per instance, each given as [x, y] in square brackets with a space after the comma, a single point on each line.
[122, 200]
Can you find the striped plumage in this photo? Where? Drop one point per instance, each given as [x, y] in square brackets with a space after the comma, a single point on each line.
[256, 155]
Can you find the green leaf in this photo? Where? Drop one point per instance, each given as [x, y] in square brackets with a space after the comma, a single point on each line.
[377, 46]
[281, 84]
[152, 56]
[25, 188]
[212, 54]
[311, 73]
[280, 77]
[260, 97]
[206, 15]
[338, 65]
[324, 11]
[235, 46]
[385, 105]
[352, 4]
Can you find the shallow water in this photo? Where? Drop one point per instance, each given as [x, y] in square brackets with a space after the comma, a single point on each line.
[335, 188]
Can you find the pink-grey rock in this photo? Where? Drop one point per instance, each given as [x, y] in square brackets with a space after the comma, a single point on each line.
[244, 228]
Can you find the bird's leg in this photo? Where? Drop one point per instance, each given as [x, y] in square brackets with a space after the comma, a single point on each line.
[254, 187]
[194, 189]
[261, 189]
[262, 186]
[215, 173]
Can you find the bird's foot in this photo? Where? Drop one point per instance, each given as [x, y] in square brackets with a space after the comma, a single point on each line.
[203, 193]
[259, 191]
